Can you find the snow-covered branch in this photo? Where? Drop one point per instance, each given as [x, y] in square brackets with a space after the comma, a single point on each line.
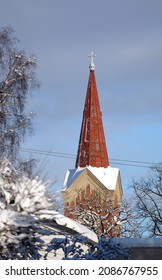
[21, 199]
[17, 79]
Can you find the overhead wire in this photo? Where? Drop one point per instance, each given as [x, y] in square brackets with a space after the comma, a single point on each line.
[125, 162]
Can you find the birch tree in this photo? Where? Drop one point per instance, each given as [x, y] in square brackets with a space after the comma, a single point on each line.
[17, 80]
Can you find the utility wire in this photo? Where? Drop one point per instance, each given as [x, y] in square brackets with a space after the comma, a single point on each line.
[126, 162]
[42, 152]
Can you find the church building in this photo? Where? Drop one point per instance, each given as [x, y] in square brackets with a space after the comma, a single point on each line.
[92, 191]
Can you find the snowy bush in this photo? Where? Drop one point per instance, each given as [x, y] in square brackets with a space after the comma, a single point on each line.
[107, 249]
[21, 199]
[79, 248]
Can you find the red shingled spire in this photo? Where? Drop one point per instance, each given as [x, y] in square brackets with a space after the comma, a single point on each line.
[92, 146]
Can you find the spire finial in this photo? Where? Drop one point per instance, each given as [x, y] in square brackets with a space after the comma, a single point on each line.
[92, 66]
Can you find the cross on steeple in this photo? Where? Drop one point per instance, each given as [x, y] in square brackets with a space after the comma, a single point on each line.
[92, 66]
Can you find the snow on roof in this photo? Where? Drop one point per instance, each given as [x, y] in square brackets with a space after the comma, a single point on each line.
[68, 223]
[139, 242]
[71, 175]
[107, 176]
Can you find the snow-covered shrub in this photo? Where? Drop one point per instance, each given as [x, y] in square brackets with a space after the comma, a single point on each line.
[107, 249]
[73, 247]
[21, 199]
[79, 248]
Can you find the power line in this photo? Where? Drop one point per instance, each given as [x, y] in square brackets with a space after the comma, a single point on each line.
[126, 162]
[47, 153]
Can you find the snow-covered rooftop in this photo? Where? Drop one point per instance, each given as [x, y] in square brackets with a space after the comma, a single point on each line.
[139, 242]
[68, 223]
[107, 176]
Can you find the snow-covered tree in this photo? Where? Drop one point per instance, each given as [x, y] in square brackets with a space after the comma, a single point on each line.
[102, 215]
[21, 199]
[17, 80]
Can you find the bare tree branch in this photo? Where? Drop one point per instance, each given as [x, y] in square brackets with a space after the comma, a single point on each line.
[17, 80]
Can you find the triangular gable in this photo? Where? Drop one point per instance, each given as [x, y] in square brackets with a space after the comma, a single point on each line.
[109, 177]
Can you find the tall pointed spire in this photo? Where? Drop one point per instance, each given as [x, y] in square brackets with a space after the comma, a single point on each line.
[92, 146]
[93, 181]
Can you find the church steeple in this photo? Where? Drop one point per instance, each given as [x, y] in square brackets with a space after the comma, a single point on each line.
[92, 149]
[93, 186]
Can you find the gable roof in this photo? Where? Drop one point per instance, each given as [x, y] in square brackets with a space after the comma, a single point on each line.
[107, 176]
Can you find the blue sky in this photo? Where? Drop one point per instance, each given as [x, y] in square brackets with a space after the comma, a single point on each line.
[126, 36]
